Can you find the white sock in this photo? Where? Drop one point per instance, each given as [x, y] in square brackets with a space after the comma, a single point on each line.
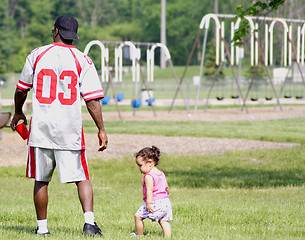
[42, 226]
[89, 217]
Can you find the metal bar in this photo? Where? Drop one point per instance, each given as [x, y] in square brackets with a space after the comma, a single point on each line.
[250, 85]
[177, 81]
[267, 70]
[135, 43]
[213, 83]
[233, 71]
[186, 66]
[297, 60]
[114, 92]
[201, 67]
[262, 18]
[146, 87]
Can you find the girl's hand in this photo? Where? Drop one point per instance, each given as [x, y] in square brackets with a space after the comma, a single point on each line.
[149, 208]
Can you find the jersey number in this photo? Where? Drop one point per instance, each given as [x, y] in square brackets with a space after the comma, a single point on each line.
[53, 87]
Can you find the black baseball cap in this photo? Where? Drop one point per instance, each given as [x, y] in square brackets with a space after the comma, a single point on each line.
[67, 26]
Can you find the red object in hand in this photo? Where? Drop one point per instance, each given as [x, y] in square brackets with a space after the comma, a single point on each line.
[22, 130]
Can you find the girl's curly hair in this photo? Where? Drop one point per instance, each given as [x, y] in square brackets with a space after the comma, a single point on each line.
[149, 153]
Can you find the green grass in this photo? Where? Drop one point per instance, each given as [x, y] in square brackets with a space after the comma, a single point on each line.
[238, 195]
[282, 130]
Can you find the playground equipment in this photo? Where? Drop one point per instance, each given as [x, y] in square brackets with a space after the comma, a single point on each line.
[137, 73]
[105, 73]
[233, 57]
[135, 55]
[150, 68]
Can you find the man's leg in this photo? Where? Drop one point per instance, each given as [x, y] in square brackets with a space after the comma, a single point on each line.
[85, 194]
[41, 199]
[41, 204]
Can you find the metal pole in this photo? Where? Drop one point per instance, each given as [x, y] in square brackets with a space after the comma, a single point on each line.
[201, 67]
[213, 83]
[267, 70]
[177, 81]
[147, 89]
[250, 85]
[233, 71]
[186, 66]
[293, 50]
[114, 92]
[261, 18]
[163, 33]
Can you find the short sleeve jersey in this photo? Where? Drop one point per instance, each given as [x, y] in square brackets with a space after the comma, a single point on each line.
[60, 75]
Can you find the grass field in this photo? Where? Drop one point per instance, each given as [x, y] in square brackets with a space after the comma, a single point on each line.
[238, 195]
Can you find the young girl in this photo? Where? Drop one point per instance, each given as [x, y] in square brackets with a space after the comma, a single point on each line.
[157, 205]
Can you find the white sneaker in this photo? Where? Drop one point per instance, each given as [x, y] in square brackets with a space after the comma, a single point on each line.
[133, 234]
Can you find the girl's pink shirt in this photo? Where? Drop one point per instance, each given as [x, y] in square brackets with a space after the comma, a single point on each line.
[159, 187]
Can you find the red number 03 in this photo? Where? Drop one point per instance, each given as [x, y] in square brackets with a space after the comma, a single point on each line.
[53, 87]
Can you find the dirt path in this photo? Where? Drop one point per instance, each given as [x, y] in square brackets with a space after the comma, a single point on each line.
[13, 150]
[231, 114]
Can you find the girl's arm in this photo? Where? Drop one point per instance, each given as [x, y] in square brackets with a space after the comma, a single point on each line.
[149, 183]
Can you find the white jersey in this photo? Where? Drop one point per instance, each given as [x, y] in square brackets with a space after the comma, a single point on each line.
[59, 75]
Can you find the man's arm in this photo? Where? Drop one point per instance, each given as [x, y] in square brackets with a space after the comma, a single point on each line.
[95, 110]
[19, 99]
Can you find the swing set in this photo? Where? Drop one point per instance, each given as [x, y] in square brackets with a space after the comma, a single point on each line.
[236, 54]
[138, 77]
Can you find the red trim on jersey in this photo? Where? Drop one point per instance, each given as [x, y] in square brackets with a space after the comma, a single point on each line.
[41, 55]
[98, 94]
[25, 84]
[63, 45]
[89, 93]
[95, 97]
[84, 163]
[23, 89]
[78, 67]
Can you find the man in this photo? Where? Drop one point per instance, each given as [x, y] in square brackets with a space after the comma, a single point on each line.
[60, 75]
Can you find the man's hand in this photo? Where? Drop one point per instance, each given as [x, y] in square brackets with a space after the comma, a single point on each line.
[103, 140]
[16, 119]
[19, 99]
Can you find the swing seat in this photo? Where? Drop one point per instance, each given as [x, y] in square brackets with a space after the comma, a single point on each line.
[4, 118]
[120, 97]
[136, 103]
[254, 99]
[268, 98]
[299, 97]
[149, 102]
[105, 100]
[287, 96]
[220, 98]
[234, 97]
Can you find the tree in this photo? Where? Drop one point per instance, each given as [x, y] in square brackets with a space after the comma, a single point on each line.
[257, 8]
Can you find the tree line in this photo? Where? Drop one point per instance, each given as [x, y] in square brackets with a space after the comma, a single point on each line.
[27, 24]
